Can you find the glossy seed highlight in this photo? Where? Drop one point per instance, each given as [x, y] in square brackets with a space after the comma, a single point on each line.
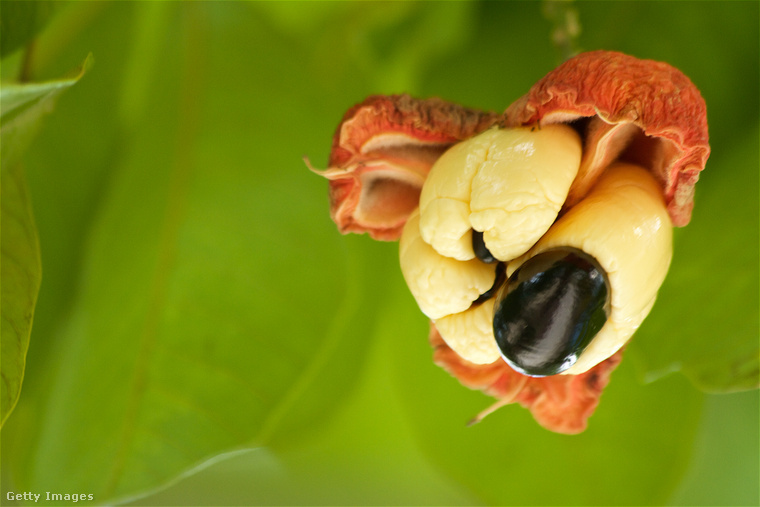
[550, 310]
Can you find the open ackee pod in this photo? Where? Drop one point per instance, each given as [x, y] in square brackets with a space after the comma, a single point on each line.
[624, 109]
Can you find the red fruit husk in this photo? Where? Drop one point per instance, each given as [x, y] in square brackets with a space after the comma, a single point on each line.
[560, 403]
[381, 154]
[640, 111]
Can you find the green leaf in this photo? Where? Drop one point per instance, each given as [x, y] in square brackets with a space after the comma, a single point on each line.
[20, 21]
[33, 94]
[706, 319]
[400, 62]
[215, 310]
[21, 274]
[351, 461]
[23, 105]
[724, 468]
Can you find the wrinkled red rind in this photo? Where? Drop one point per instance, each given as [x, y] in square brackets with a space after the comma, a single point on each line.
[432, 123]
[560, 403]
[621, 91]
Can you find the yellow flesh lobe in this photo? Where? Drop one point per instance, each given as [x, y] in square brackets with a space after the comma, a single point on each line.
[508, 184]
[624, 225]
[511, 184]
[470, 333]
[441, 285]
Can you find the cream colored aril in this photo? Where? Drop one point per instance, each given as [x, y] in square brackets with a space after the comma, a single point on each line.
[445, 290]
[470, 333]
[441, 285]
[507, 183]
[624, 225]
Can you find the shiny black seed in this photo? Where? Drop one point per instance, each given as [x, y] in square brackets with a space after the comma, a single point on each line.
[550, 310]
[481, 251]
[499, 279]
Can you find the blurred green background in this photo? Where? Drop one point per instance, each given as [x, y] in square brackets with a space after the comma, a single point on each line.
[204, 336]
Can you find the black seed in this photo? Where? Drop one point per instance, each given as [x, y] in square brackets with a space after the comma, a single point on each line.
[550, 310]
[501, 276]
[481, 251]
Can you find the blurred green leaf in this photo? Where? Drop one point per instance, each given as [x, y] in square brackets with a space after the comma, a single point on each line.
[33, 95]
[21, 273]
[708, 323]
[22, 106]
[20, 21]
[366, 455]
[724, 468]
[211, 314]
[428, 34]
